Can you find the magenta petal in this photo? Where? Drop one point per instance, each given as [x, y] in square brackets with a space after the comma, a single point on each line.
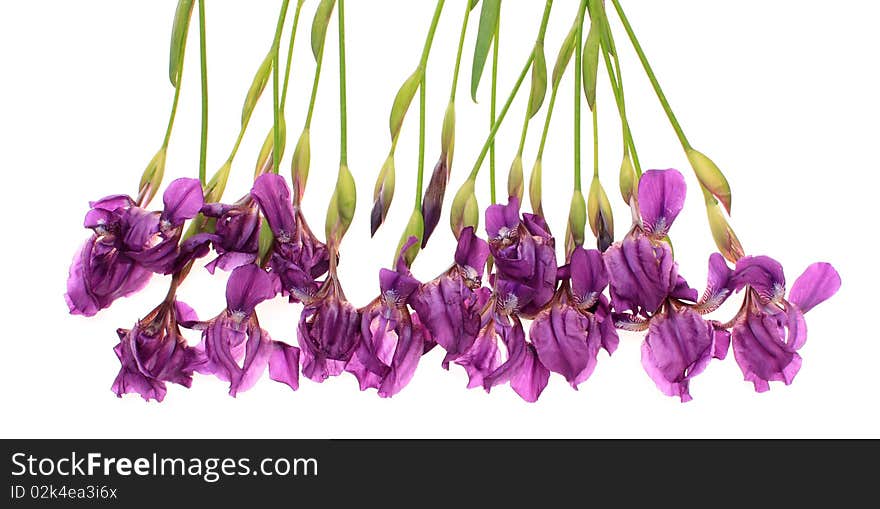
[271, 193]
[450, 311]
[471, 252]
[284, 364]
[722, 341]
[761, 352]
[763, 274]
[99, 275]
[328, 335]
[501, 220]
[560, 338]
[183, 200]
[677, 348]
[642, 274]
[817, 284]
[661, 198]
[408, 351]
[248, 286]
[531, 378]
[482, 358]
[588, 275]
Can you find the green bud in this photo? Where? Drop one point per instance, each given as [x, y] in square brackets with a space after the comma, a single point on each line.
[599, 210]
[414, 228]
[564, 56]
[178, 37]
[299, 166]
[447, 135]
[402, 101]
[261, 78]
[539, 80]
[628, 179]
[217, 185]
[725, 238]
[383, 193]
[319, 27]
[267, 238]
[535, 189]
[577, 218]
[590, 64]
[464, 211]
[515, 179]
[710, 177]
[342, 206]
[265, 161]
[151, 179]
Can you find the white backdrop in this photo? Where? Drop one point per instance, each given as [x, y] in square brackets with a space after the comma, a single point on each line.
[782, 95]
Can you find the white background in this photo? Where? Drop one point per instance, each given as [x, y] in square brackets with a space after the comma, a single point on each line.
[782, 95]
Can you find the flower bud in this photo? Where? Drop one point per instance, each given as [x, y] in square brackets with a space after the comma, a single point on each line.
[590, 64]
[414, 228]
[726, 240]
[539, 80]
[464, 211]
[342, 206]
[600, 214]
[577, 218]
[628, 179]
[535, 189]
[299, 166]
[564, 56]
[447, 135]
[151, 179]
[261, 78]
[432, 204]
[217, 185]
[515, 179]
[267, 239]
[179, 30]
[710, 177]
[402, 101]
[383, 193]
[266, 159]
[319, 27]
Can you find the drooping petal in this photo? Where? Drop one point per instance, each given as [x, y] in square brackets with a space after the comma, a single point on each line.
[816, 285]
[328, 335]
[502, 220]
[407, 352]
[284, 364]
[512, 337]
[531, 378]
[471, 253]
[718, 287]
[183, 200]
[661, 198]
[761, 351]
[564, 342]
[722, 341]
[271, 193]
[763, 274]
[537, 226]
[248, 286]
[588, 276]
[483, 358]
[677, 348]
[642, 274]
[100, 274]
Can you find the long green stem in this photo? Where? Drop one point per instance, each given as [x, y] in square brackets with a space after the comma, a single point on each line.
[494, 96]
[525, 128]
[616, 80]
[547, 123]
[578, 58]
[595, 141]
[650, 72]
[203, 56]
[423, 65]
[296, 13]
[276, 111]
[318, 65]
[501, 114]
[176, 91]
[464, 23]
[343, 110]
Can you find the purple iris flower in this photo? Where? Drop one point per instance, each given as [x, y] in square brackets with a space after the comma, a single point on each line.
[154, 352]
[236, 349]
[127, 245]
[235, 236]
[450, 306]
[568, 334]
[391, 343]
[298, 257]
[769, 329]
[329, 332]
[524, 254]
[644, 281]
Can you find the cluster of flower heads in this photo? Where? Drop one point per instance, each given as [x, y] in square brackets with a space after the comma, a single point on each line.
[476, 318]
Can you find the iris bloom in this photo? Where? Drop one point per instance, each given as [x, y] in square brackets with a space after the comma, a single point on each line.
[391, 342]
[154, 352]
[298, 257]
[769, 329]
[236, 349]
[646, 285]
[569, 333]
[524, 254]
[450, 306]
[235, 237]
[329, 332]
[127, 245]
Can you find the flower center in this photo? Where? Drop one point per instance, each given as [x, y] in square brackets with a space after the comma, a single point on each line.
[509, 304]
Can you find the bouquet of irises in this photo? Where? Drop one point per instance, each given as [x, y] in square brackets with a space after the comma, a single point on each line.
[502, 280]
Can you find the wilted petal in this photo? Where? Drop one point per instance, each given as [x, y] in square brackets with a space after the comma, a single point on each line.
[183, 200]
[763, 274]
[642, 274]
[328, 335]
[722, 341]
[661, 198]
[284, 364]
[564, 342]
[531, 378]
[537, 226]
[817, 284]
[271, 193]
[100, 274]
[513, 338]
[677, 348]
[483, 358]
[761, 351]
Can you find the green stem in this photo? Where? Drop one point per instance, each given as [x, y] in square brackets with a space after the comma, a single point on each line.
[276, 112]
[423, 65]
[540, 40]
[176, 90]
[550, 106]
[314, 95]
[464, 23]
[343, 110]
[501, 114]
[426, 50]
[617, 88]
[578, 58]
[296, 13]
[654, 83]
[493, 100]
[595, 141]
[203, 56]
